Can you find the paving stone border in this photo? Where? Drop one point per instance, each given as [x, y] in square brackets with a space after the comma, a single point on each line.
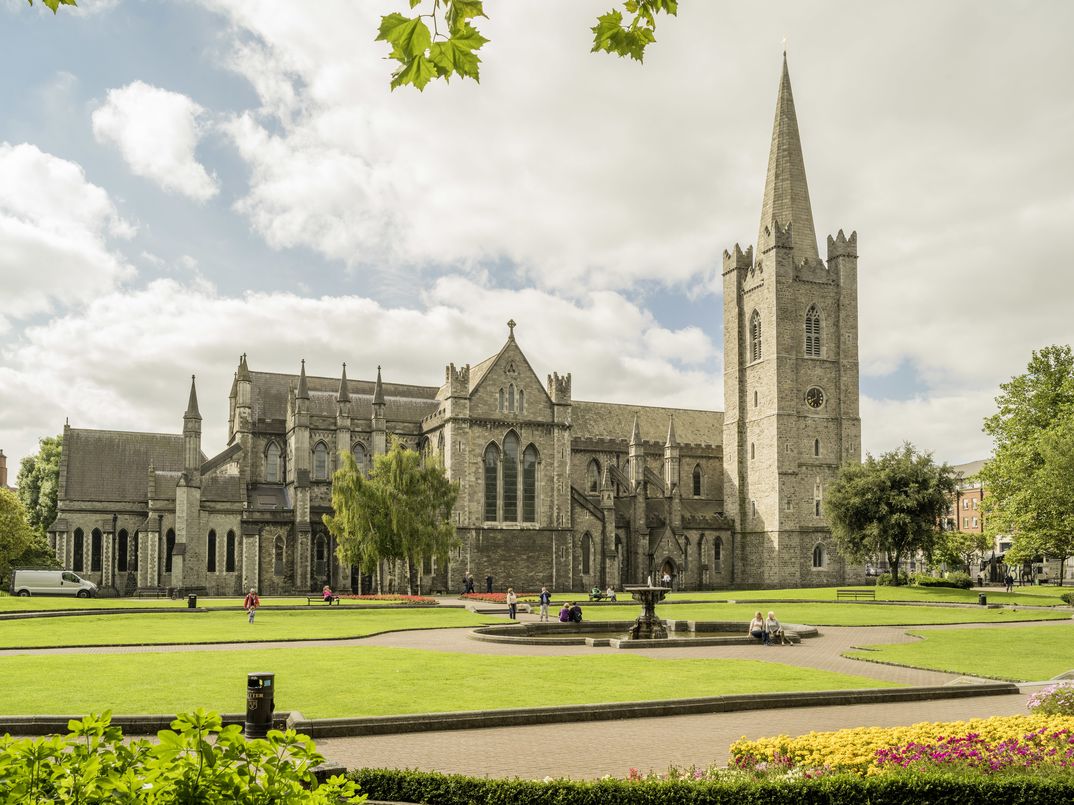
[481, 719]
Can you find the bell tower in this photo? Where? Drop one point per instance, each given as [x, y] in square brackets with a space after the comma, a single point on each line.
[790, 377]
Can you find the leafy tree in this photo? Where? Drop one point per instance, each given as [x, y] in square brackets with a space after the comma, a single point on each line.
[400, 512]
[16, 535]
[55, 4]
[963, 547]
[39, 483]
[889, 506]
[1028, 476]
[441, 40]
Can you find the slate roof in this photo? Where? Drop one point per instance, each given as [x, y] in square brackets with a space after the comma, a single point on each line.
[614, 421]
[268, 496]
[227, 488]
[970, 468]
[112, 465]
[403, 402]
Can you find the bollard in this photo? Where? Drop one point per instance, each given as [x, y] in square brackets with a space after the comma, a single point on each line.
[982, 599]
[260, 704]
[191, 602]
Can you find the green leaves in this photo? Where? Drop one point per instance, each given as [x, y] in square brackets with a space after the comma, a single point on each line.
[612, 35]
[425, 54]
[55, 4]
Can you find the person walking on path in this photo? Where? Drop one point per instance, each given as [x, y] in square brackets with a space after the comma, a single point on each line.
[546, 599]
[250, 604]
[1008, 582]
[512, 603]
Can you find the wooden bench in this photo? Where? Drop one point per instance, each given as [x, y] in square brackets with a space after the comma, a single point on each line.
[866, 595]
[319, 599]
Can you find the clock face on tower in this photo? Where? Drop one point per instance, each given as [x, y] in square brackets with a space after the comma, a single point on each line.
[814, 398]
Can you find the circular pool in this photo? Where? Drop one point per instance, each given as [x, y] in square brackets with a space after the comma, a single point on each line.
[613, 634]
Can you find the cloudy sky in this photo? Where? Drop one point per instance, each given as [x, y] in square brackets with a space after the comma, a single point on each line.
[182, 181]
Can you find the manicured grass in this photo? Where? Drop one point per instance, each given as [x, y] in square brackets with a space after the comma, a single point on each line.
[15, 603]
[830, 614]
[1029, 596]
[223, 627]
[1031, 653]
[355, 681]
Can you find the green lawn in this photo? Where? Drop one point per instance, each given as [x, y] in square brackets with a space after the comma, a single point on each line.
[223, 627]
[14, 603]
[357, 681]
[1031, 653]
[1030, 596]
[830, 614]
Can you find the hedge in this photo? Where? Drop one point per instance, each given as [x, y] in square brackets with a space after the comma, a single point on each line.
[905, 789]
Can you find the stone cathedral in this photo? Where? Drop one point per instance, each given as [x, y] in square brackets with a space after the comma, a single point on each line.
[553, 491]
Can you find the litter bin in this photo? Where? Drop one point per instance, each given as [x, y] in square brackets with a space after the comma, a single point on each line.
[260, 704]
[191, 602]
[982, 599]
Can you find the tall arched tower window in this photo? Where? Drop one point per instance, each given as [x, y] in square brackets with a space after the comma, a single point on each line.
[272, 463]
[812, 332]
[587, 550]
[122, 560]
[96, 541]
[510, 477]
[521, 401]
[229, 553]
[210, 553]
[592, 475]
[501, 401]
[529, 485]
[492, 476]
[169, 549]
[755, 336]
[697, 481]
[78, 549]
[511, 397]
[320, 462]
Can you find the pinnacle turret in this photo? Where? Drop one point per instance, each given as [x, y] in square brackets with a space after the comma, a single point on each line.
[303, 392]
[635, 433]
[378, 390]
[786, 194]
[192, 403]
[244, 370]
[344, 394]
[671, 441]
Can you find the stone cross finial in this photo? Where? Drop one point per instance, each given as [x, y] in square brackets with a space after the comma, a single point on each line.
[511, 327]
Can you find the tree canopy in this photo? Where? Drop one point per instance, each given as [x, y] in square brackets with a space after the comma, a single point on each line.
[17, 538]
[399, 513]
[889, 506]
[39, 483]
[1030, 492]
[55, 4]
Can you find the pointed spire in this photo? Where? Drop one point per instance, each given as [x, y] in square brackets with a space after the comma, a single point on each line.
[303, 387]
[378, 391]
[786, 194]
[234, 385]
[606, 478]
[344, 394]
[244, 370]
[192, 404]
[672, 441]
[635, 433]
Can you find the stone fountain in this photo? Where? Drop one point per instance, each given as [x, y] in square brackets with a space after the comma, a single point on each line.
[647, 626]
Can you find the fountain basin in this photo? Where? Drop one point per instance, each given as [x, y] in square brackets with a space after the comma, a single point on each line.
[681, 634]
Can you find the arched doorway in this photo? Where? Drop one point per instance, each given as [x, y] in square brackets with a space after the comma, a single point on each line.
[669, 572]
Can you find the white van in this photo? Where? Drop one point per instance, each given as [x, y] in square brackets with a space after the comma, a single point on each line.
[50, 582]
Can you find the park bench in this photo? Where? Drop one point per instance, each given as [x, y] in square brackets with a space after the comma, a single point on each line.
[856, 595]
[319, 599]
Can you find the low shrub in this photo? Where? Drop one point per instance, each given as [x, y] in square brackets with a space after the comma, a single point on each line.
[197, 761]
[1067, 598]
[734, 788]
[958, 580]
[883, 580]
[1054, 700]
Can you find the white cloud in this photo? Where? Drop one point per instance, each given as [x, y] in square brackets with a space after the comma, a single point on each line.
[119, 363]
[157, 132]
[57, 231]
[946, 424]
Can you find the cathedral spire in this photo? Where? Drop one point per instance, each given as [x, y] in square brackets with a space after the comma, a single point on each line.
[303, 387]
[192, 403]
[378, 391]
[786, 194]
[344, 394]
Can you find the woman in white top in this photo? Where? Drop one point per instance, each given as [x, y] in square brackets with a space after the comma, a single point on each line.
[512, 603]
[757, 629]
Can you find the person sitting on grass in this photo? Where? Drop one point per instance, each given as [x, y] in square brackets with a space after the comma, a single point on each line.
[775, 629]
[576, 613]
[565, 613]
[757, 629]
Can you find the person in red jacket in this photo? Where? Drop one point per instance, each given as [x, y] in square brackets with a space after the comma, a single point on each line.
[251, 603]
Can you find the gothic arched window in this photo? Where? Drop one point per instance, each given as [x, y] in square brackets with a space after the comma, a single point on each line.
[755, 336]
[320, 462]
[587, 549]
[511, 397]
[210, 553]
[521, 401]
[592, 474]
[510, 477]
[697, 481]
[122, 555]
[169, 548]
[361, 457]
[229, 555]
[812, 332]
[96, 541]
[492, 476]
[816, 447]
[277, 556]
[272, 463]
[529, 485]
[685, 554]
[77, 550]
[501, 401]
[820, 559]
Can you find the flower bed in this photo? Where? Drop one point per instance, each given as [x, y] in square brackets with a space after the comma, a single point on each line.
[982, 744]
[398, 598]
